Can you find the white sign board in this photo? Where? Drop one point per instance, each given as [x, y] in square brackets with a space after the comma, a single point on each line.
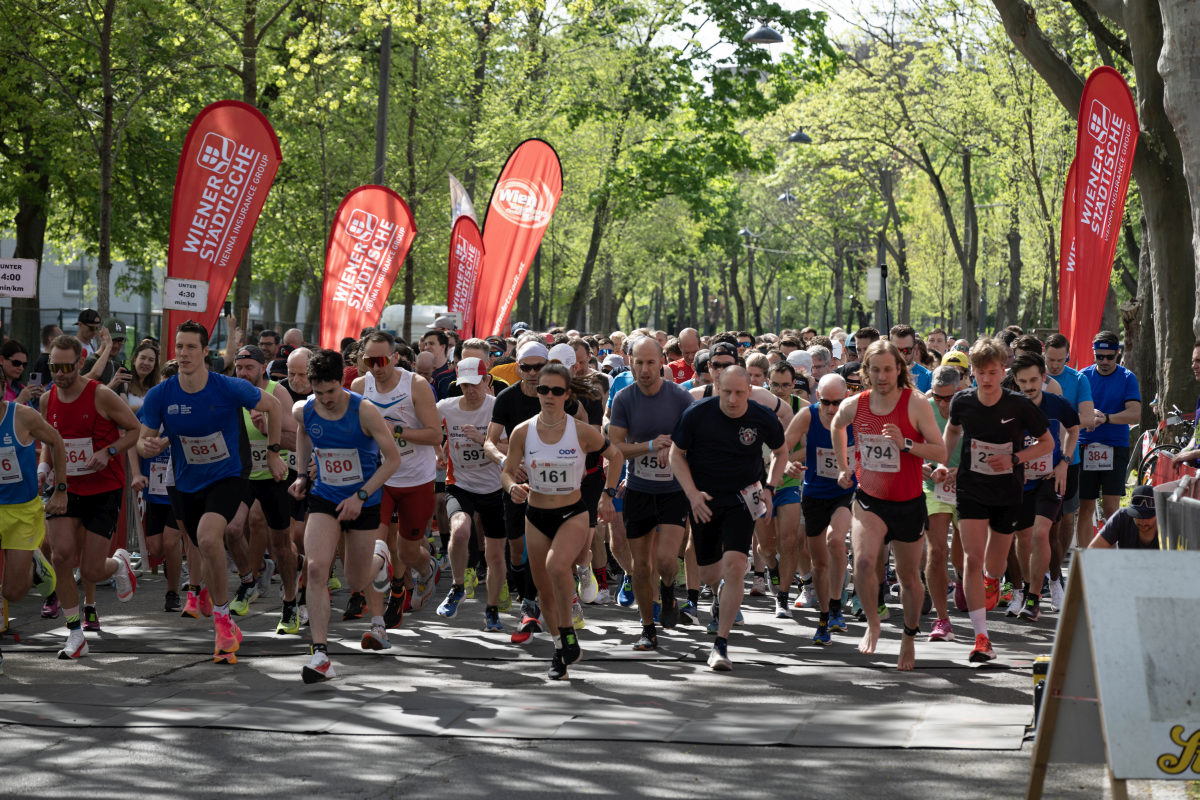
[1133, 656]
[18, 277]
[874, 284]
[181, 294]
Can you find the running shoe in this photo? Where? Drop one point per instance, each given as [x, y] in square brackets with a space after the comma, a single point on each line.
[603, 597]
[558, 666]
[808, 596]
[44, 578]
[171, 603]
[376, 639]
[884, 612]
[1015, 604]
[204, 599]
[942, 632]
[647, 641]
[393, 615]
[853, 607]
[1056, 595]
[319, 668]
[655, 609]
[264, 578]
[191, 606]
[302, 612]
[228, 639]
[491, 621]
[383, 578]
[529, 623]
[50, 608]
[837, 623]
[689, 614]
[423, 586]
[355, 606]
[91, 620]
[334, 584]
[669, 614]
[625, 595]
[758, 587]
[571, 653]
[76, 646]
[586, 582]
[505, 604]
[822, 636]
[983, 652]
[577, 619]
[125, 580]
[960, 597]
[991, 592]
[449, 606]
[718, 658]
[1006, 592]
[781, 609]
[1032, 609]
[289, 622]
[246, 594]
[470, 581]
[799, 603]
[926, 604]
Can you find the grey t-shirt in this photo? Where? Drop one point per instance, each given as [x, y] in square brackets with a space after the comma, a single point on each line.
[1121, 531]
[644, 417]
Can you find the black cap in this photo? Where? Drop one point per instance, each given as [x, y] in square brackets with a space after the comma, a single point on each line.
[723, 349]
[89, 316]
[1141, 505]
[252, 351]
[116, 328]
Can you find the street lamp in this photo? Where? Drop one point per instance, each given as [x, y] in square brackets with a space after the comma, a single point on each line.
[763, 34]
[787, 198]
[800, 137]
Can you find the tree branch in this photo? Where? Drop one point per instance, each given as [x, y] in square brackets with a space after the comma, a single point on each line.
[1104, 37]
[262, 31]
[1113, 9]
[1020, 23]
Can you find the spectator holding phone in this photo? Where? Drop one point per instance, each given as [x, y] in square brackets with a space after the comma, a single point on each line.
[13, 360]
[107, 365]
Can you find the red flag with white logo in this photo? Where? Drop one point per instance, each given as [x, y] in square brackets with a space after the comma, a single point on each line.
[1104, 145]
[371, 234]
[229, 159]
[466, 262]
[1066, 255]
[523, 201]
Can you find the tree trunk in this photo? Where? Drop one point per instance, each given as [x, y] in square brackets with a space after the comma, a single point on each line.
[1139, 331]
[1014, 266]
[30, 229]
[583, 289]
[104, 243]
[754, 305]
[692, 320]
[839, 271]
[736, 293]
[483, 35]
[410, 155]
[270, 291]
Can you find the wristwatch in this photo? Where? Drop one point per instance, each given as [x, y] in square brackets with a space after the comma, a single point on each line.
[60, 487]
[1015, 460]
[112, 452]
[908, 443]
[361, 494]
[610, 492]
[274, 448]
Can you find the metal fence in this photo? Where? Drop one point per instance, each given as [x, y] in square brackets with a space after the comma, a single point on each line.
[1178, 512]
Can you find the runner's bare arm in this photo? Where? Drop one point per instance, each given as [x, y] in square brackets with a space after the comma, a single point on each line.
[102, 355]
[114, 409]
[149, 443]
[1127, 416]
[683, 473]
[782, 410]
[779, 460]
[299, 486]
[375, 426]
[952, 437]
[37, 427]
[492, 446]
[287, 423]
[274, 411]
[797, 429]
[842, 420]
[425, 405]
[920, 414]
[358, 384]
[512, 477]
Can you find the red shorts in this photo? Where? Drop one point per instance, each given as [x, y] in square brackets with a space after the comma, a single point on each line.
[413, 506]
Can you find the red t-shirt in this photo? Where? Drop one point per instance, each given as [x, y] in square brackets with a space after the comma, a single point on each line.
[348, 375]
[681, 371]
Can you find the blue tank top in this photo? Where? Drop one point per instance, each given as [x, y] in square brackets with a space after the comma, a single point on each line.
[18, 463]
[819, 458]
[346, 457]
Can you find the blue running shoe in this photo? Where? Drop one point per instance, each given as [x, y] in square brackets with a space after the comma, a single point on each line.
[837, 622]
[449, 606]
[689, 614]
[625, 596]
[491, 621]
[657, 610]
[822, 636]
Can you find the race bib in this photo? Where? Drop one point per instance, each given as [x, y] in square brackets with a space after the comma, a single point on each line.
[752, 496]
[649, 467]
[469, 455]
[10, 467]
[292, 461]
[161, 477]
[878, 453]
[406, 448]
[945, 493]
[1097, 457]
[78, 453]
[204, 449]
[554, 476]
[339, 466]
[1039, 468]
[826, 463]
[258, 455]
[982, 451]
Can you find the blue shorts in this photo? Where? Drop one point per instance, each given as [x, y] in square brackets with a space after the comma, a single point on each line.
[785, 496]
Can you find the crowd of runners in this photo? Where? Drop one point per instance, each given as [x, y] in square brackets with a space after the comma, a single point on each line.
[539, 473]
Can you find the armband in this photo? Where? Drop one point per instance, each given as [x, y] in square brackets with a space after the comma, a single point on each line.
[912, 631]
[44, 469]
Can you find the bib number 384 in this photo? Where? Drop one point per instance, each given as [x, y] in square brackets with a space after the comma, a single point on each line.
[1097, 457]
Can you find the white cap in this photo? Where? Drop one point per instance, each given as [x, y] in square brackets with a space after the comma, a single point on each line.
[837, 348]
[800, 359]
[471, 370]
[532, 350]
[563, 353]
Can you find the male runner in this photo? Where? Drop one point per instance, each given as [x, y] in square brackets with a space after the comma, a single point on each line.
[689, 343]
[97, 427]
[904, 337]
[991, 423]
[354, 450]
[893, 431]
[198, 413]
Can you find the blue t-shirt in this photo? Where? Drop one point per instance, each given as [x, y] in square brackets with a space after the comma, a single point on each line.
[205, 426]
[1060, 414]
[643, 417]
[1110, 393]
[923, 377]
[1075, 391]
[618, 383]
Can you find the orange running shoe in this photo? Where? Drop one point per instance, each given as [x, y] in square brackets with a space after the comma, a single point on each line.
[991, 592]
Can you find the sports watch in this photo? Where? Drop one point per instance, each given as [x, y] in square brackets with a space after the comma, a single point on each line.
[908, 445]
[274, 448]
[361, 494]
[610, 492]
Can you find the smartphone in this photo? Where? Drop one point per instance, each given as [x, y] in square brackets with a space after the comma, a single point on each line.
[35, 379]
[228, 308]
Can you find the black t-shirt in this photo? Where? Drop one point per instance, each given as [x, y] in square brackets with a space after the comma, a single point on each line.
[987, 430]
[514, 407]
[295, 395]
[1121, 531]
[724, 453]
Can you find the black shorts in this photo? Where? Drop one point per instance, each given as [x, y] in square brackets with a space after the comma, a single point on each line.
[439, 487]
[819, 511]
[298, 509]
[1040, 501]
[905, 519]
[272, 496]
[644, 511]
[1001, 518]
[1110, 483]
[730, 530]
[98, 512]
[514, 517]
[489, 507]
[222, 497]
[549, 520]
[159, 517]
[590, 489]
[368, 518]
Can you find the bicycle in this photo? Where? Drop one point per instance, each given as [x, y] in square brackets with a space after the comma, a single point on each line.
[1172, 435]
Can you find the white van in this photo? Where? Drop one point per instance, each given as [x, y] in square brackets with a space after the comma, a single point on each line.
[392, 320]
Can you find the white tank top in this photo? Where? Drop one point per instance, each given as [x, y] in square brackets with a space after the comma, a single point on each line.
[554, 468]
[470, 469]
[418, 462]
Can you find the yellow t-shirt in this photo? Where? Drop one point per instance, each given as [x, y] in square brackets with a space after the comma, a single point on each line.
[506, 372]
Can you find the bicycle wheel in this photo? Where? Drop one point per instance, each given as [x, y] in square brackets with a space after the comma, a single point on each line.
[1146, 472]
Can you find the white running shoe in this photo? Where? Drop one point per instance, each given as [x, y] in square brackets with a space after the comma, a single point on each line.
[76, 646]
[808, 596]
[759, 588]
[125, 580]
[383, 578]
[1018, 600]
[1056, 594]
[588, 588]
[577, 615]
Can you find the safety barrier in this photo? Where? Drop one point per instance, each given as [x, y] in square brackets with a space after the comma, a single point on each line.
[1178, 511]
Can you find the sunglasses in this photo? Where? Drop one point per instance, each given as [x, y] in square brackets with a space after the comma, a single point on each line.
[62, 369]
[604, 351]
[1142, 502]
[375, 361]
[943, 398]
[1105, 356]
[20, 364]
[745, 344]
[721, 365]
[495, 353]
[906, 350]
[531, 367]
[557, 391]
[830, 403]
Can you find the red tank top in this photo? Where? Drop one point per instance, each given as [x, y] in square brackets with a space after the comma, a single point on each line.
[896, 476]
[80, 424]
